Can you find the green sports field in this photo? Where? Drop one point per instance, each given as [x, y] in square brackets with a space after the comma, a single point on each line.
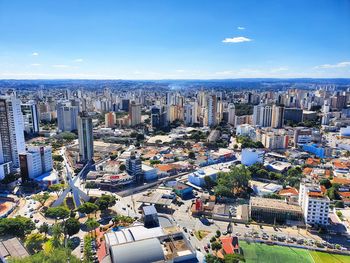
[261, 253]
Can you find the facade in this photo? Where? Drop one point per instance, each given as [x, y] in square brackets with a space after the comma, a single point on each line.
[11, 134]
[252, 156]
[134, 114]
[134, 167]
[273, 211]
[314, 203]
[293, 114]
[110, 119]
[212, 106]
[149, 173]
[262, 115]
[197, 178]
[31, 117]
[182, 190]
[35, 162]
[85, 137]
[231, 114]
[277, 116]
[318, 150]
[150, 216]
[67, 117]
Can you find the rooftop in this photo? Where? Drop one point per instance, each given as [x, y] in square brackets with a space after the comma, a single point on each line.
[274, 204]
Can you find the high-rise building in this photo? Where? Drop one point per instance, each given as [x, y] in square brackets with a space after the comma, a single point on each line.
[134, 114]
[110, 119]
[134, 167]
[231, 114]
[30, 117]
[277, 116]
[314, 203]
[262, 115]
[35, 162]
[11, 134]
[212, 106]
[85, 137]
[155, 117]
[67, 117]
[190, 113]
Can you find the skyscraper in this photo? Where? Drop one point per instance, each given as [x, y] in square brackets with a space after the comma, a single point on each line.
[85, 137]
[67, 117]
[134, 114]
[277, 116]
[30, 117]
[212, 105]
[11, 134]
[231, 114]
[262, 115]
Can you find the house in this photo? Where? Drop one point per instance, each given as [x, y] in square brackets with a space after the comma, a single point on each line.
[182, 190]
[229, 245]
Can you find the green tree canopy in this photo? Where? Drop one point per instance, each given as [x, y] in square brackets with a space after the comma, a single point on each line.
[42, 198]
[71, 226]
[88, 208]
[60, 255]
[34, 242]
[57, 188]
[234, 182]
[105, 201]
[59, 212]
[18, 226]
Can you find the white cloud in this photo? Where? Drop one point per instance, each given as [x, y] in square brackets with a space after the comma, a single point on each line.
[35, 64]
[78, 60]
[338, 65]
[279, 69]
[180, 70]
[236, 40]
[60, 66]
[35, 54]
[240, 28]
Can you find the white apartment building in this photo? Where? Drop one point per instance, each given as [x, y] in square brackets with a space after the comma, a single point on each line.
[231, 114]
[31, 117]
[252, 156]
[314, 203]
[262, 115]
[35, 161]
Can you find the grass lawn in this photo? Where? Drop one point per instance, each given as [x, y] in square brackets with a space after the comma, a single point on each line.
[201, 234]
[261, 253]
[320, 257]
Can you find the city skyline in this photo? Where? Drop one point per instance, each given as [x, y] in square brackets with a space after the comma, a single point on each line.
[168, 40]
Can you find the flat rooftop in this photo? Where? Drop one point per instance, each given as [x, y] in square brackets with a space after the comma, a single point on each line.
[274, 204]
[154, 198]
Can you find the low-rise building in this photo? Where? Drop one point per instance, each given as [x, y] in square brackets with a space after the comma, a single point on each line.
[273, 210]
[252, 156]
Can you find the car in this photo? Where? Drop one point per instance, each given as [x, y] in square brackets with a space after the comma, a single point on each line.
[124, 208]
[191, 233]
[185, 229]
[31, 216]
[208, 245]
[206, 249]
[198, 248]
[36, 221]
[81, 249]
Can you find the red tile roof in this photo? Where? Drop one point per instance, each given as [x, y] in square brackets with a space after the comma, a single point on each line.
[229, 244]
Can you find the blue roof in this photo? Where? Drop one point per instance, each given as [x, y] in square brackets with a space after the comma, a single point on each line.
[149, 210]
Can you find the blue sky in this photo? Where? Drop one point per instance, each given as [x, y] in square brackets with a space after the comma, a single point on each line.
[161, 39]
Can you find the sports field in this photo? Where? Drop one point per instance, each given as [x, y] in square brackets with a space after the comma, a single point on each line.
[261, 253]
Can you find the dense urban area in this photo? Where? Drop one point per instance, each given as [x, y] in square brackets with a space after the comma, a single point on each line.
[175, 171]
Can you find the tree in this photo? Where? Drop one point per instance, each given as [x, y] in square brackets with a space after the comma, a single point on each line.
[88, 208]
[105, 201]
[192, 155]
[216, 246]
[209, 258]
[71, 226]
[57, 158]
[326, 183]
[57, 188]
[140, 137]
[234, 182]
[18, 226]
[42, 198]
[34, 242]
[339, 204]
[233, 258]
[59, 212]
[60, 255]
[295, 172]
[120, 219]
[57, 234]
[122, 167]
[209, 183]
[262, 173]
[91, 224]
[44, 228]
